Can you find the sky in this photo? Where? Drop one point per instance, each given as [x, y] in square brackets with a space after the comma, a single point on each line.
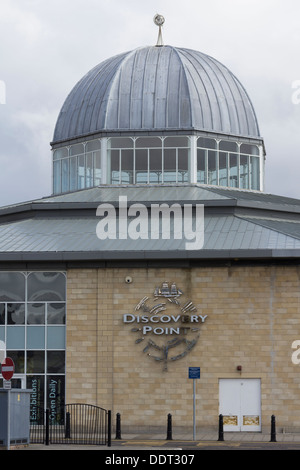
[47, 46]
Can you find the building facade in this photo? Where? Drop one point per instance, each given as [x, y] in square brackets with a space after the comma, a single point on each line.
[157, 251]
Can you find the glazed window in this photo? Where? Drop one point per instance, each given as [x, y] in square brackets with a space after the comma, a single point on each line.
[157, 160]
[230, 165]
[33, 328]
[148, 160]
[77, 167]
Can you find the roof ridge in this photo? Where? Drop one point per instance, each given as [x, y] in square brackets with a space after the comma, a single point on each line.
[265, 225]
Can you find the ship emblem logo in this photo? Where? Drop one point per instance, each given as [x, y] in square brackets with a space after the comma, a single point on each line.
[167, 325]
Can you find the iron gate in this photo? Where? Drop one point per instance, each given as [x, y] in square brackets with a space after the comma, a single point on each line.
[76, 423]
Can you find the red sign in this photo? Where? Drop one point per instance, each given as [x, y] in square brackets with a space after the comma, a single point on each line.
[7, 368]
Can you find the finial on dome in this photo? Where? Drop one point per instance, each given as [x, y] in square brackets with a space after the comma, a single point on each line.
[159, 21]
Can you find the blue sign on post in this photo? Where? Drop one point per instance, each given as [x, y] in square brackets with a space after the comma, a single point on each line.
[194, 372]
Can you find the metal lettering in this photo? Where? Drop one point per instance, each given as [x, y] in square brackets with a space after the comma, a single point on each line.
[130, 318]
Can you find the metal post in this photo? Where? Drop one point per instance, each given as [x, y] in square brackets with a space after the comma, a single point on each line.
[273, 429]
[221, 430]
[109, 428]
[8, 420]
[118, 426]
[47, 427]
[68, 426]
[169, 428]
[194, 409]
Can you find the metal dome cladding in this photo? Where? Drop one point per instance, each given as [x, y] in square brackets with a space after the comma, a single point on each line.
[157, 88]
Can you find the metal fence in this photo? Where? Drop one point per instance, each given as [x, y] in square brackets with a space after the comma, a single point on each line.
[76, 423]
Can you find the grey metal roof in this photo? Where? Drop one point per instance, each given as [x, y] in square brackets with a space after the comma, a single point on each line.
[157, 88]
[148, 194]
[238, 224]
[141, 193]
[64, 236]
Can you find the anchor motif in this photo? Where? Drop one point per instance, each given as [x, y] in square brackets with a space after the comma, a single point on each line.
[154, 312]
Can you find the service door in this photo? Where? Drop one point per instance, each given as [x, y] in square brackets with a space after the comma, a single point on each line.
[240, 404]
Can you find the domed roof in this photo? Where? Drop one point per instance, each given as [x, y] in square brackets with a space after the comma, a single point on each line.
[157, 88]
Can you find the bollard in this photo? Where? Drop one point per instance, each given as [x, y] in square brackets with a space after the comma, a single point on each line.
[273, 429]
[118, 426]
[221, 430]
[169, 428]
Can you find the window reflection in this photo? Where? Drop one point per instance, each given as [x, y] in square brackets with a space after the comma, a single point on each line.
[19, 360]
[230, 165]
[141, 166]
[183, 166]
[201, 166]
[156, 160]
[148, 160]
[2, 314]
[56, 314]
[46, 286]
[36, 314]
[155, 166]
[223, 169]
[170, 165]
[127, 166]
[12, 286]
[244, 171]
[33, 329]
[15, 314]
[212, 167]
[35, 362]
[77, 167]
[254, 173]
[233, 170]
[55, 362]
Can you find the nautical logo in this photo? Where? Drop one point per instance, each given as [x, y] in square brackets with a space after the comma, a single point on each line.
[167, 325]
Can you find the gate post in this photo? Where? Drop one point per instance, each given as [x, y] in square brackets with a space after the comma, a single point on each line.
[47, 427]
[109, 428]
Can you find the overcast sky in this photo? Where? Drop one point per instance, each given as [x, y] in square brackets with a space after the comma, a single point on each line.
[46, 46]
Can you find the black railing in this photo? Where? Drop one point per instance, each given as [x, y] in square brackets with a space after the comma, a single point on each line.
[75, 424]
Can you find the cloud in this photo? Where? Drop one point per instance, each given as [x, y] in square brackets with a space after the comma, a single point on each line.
[47, 46]
[22, 21]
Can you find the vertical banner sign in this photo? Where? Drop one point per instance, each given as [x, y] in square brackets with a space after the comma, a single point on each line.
[55, 398]
[194, 373]
[36, 384]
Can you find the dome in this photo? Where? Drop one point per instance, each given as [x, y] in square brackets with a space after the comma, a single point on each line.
[157, 88]
[157, 115]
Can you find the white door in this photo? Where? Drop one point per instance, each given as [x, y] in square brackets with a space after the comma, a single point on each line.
[240, 405]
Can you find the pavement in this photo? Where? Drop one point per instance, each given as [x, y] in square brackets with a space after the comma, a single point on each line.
[183, 442]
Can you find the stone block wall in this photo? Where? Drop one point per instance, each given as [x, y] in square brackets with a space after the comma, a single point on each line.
[253, 317]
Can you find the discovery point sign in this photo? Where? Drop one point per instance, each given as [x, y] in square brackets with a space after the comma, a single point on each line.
[165, 315]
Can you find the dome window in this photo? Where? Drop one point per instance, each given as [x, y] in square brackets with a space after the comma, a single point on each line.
[230, 164]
